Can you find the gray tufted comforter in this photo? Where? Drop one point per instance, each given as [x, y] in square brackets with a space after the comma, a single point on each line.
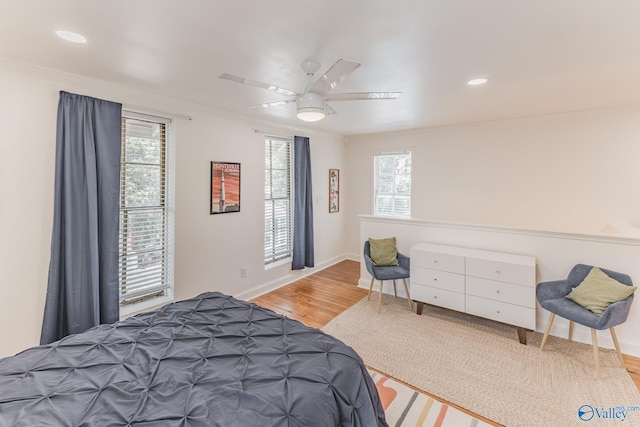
[208, 361]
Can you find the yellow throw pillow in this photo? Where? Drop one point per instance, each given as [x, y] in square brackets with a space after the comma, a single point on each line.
[383, 251]
[598, 291]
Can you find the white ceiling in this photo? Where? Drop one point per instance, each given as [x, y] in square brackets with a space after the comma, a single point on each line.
[542, 56]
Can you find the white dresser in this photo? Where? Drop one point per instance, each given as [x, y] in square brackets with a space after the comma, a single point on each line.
[487, 284]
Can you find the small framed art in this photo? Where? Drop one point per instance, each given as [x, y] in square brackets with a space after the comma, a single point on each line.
[334, 190]
[225, 187]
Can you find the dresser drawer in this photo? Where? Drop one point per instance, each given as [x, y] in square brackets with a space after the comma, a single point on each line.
[438, 261]
[439, 297]
[437, 279]
[501, 291]
[501, 312]
[521, 274]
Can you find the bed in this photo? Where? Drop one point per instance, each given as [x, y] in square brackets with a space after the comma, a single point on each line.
[211, 360]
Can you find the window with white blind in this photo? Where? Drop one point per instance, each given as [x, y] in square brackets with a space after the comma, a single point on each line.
[392, 184]
[145, 245]
[278, 200]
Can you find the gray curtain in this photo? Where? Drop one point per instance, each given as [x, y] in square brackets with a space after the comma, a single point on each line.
[303, 206]
[82, 290]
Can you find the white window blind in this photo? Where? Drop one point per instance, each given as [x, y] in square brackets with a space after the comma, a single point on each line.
[392, 182]
[144, 232]
[278, 203]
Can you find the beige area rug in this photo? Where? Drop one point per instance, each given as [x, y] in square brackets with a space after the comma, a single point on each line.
[481, 366]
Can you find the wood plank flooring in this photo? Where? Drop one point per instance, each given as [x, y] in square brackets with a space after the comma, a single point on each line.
[633, 368]
[318, 298]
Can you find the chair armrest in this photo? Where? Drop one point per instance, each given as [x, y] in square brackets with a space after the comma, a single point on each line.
[369, 264]
[615, 314]
[404, 261]
[553, 289]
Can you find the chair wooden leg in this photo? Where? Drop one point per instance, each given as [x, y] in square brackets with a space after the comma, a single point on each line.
[546, 331]
[370, 288]
[616, 344]
[406, 290]
[570, 330]
[596, 356]
[395, 290]
[380, 297]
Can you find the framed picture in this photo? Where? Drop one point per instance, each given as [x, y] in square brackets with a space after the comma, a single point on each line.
[225, 187]
[334, 190]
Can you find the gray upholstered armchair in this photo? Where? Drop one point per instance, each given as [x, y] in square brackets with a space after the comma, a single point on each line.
[551, 296]
[400, 271]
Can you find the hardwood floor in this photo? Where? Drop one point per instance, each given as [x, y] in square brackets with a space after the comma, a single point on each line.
[318, 298]
[633, 368]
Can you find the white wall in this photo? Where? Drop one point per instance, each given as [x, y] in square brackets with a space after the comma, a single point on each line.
[567, 172]
[210, 249]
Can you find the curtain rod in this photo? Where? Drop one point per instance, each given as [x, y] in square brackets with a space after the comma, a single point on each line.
[163, 114]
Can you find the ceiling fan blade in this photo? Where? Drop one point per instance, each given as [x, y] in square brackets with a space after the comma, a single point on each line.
[274, 103]
[362, 96]
[337, 73]
[272, 88]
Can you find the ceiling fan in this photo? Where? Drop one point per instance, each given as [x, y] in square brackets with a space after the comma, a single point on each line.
[312, 103]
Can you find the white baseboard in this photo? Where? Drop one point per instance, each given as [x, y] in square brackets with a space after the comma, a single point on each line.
[353, 257]
[288, 279]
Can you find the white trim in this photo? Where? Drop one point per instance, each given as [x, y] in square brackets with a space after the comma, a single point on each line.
[278, 263]
[145, 114]
[151, 304]
[170, 167]
[289, 142]
[594, 237]
[353, 257]
[170, 187]
[375, 175]
[288, 279]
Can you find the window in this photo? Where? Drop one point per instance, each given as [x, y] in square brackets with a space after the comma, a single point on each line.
[278, 200]
[392, 184]
[146, 225]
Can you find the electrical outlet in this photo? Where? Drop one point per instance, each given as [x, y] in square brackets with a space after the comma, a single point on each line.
[243, 272]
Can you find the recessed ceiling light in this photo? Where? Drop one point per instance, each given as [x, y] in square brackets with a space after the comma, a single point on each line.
[479, 81]
[71, 36]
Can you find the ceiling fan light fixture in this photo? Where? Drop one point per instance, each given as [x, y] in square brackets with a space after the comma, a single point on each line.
[310, 114]
[310, 107]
